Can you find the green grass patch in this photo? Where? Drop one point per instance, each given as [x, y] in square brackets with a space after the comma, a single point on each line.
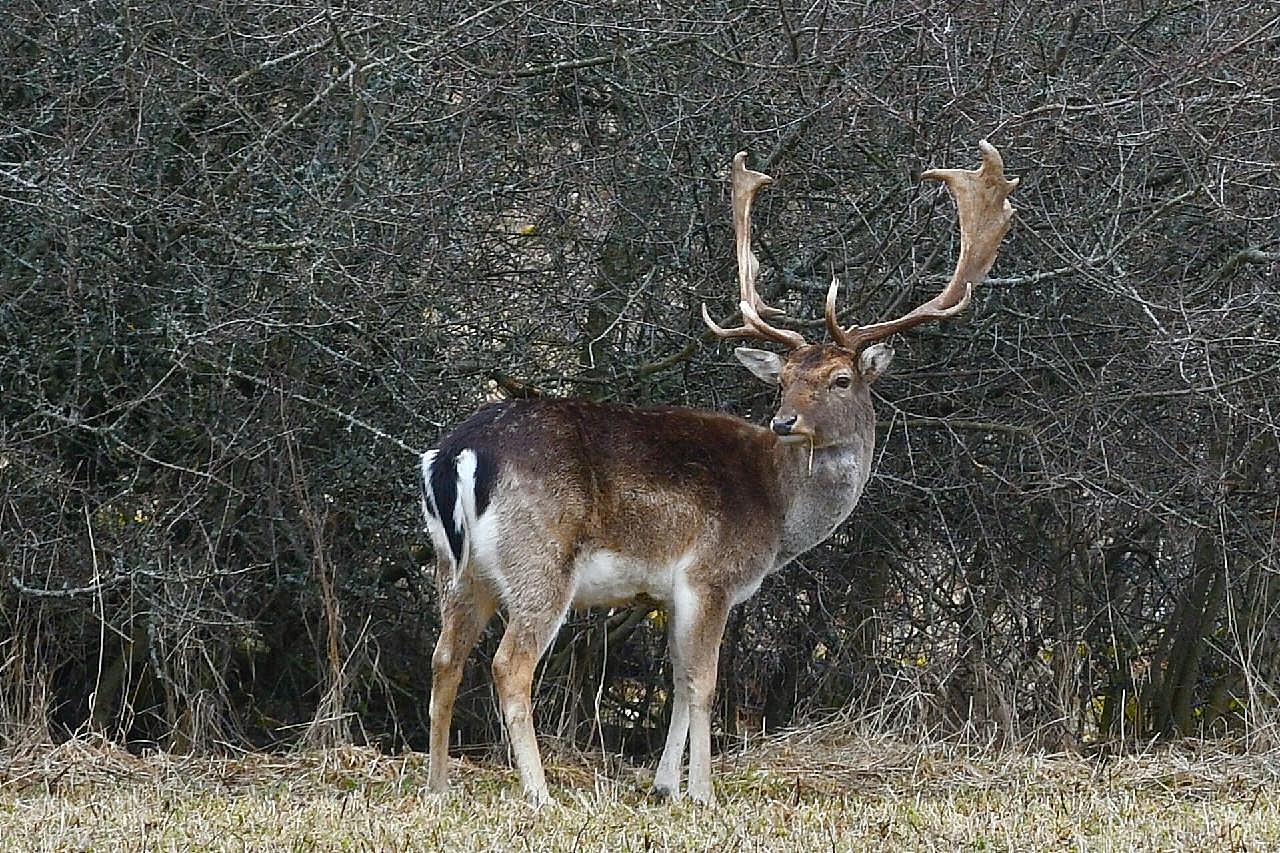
[823, 789]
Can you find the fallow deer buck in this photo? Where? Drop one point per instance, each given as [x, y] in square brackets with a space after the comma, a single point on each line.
[543, 505]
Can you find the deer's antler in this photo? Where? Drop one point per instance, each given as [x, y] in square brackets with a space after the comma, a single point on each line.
[982, 200]
[746, 183]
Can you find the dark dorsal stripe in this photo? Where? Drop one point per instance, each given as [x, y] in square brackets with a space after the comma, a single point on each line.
[486, 473]
[444, 489]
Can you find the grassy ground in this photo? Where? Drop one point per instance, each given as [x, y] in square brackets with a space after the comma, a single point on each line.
[819, 790]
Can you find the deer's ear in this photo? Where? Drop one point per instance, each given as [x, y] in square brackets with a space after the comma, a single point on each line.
[765, 365]
[874, 362]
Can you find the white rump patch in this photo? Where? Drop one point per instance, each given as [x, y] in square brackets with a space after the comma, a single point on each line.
[484, 553]
[428, 499]
[430, 514]
[461, 515]
[464, 513]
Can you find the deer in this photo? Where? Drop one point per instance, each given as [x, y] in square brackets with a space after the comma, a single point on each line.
[543, 505]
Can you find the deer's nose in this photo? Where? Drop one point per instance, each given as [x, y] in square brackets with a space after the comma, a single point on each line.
[782, 426]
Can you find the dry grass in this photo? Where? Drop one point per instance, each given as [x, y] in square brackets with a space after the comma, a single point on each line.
[824, 788]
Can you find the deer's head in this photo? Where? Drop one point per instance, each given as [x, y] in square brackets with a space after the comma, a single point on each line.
[826, 387]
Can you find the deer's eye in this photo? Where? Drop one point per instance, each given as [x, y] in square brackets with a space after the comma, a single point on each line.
[842, 381]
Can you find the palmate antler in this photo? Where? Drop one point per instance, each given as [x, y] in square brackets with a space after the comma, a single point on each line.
[746, 184]
[982, 200]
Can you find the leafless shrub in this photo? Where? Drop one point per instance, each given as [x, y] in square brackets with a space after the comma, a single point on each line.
[253, 258]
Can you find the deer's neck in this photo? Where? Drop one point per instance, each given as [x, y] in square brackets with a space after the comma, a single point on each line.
[821, 489]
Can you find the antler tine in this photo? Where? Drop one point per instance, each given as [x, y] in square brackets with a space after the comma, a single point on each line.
[746, 183]
[754, 327]
[982, 202]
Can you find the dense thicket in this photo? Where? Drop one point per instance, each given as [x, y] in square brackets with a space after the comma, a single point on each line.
[253, 256]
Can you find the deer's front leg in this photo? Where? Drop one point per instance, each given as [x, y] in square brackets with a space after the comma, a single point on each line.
[703, 645]
[697, 626]
[666, 781]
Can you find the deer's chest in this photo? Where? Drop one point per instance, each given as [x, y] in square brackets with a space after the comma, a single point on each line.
[824, 499]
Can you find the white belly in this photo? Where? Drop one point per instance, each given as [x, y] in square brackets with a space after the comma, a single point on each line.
[605, 579]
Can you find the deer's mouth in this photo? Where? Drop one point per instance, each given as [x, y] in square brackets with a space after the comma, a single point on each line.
[800, 436]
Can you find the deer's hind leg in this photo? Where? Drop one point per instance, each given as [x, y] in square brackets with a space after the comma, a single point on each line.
[465, 609]
[539, 573]
[529, 631]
